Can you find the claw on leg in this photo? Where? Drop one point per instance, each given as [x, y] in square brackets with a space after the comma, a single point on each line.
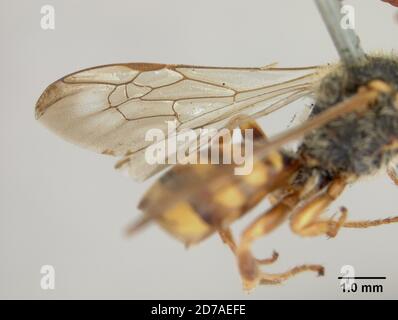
[335, 226]
[275, 256]
[252, 275]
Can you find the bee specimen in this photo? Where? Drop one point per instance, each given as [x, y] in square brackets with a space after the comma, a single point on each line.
[352, 132]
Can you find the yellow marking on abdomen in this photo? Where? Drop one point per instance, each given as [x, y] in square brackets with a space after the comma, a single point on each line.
[230, 197]
[258, 177]
[183, 222]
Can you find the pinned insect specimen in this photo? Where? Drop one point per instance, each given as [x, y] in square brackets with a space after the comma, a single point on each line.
[352, 132]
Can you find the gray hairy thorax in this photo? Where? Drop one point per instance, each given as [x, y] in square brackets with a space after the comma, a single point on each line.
[355, 144]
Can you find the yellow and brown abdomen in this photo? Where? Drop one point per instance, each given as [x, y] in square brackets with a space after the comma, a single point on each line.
[192, 201]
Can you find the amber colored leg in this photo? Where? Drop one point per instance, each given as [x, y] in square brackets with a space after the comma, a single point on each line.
[246, 122]
[277, 279]
[307, 223]
[393, 173]
[243, 122]
[248, 264]
[369, 223]
[227, 237]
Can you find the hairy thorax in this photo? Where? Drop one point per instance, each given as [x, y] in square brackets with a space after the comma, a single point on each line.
[358, 143]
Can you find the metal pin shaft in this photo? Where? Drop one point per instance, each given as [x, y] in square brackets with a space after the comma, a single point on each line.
[346, 41]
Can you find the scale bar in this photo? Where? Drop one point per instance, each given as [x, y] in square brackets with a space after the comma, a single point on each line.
[364, 278]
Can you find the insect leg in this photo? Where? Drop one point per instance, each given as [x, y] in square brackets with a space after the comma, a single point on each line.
[246, 122]
[369, 223]
[248, 264]
[227, 237]
[392, 171]
[306, 221]
[243, 123]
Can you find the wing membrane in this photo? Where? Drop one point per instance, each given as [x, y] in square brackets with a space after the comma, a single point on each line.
[108, 109]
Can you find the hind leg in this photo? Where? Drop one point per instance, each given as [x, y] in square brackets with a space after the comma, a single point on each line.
[392, 171]
[227, 237]
[245, 122]
[249, 265]
[369, 223]
[306, 221]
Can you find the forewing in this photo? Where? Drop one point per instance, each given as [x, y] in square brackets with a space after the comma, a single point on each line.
[109, 109]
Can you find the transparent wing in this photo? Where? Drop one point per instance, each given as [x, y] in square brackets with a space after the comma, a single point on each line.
[109, 109]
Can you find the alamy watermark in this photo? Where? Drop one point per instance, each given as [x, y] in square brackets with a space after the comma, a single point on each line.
[188, 147]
